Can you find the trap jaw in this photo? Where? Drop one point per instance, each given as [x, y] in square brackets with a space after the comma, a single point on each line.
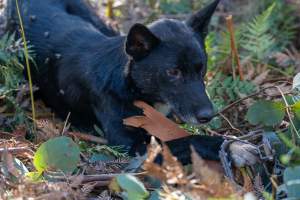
[264, 147]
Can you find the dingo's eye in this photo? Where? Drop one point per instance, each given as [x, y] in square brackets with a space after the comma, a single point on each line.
[174, 73]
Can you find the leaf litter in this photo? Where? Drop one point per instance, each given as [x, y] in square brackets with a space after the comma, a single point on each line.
[204, 179]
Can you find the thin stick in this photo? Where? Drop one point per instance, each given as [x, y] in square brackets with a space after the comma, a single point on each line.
[102, 183]
[231, 138]
[66, 123]
[86, 137]
[105, 177]
[274, 182]
[94, 178]
[27, 64]
[243, 99]
[230, 124]
[289, 114]
[234, 51]
[15, 150]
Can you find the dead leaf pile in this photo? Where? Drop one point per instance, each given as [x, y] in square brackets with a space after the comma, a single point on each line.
[204, 182]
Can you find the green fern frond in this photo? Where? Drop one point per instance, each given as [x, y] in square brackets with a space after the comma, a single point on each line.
[116, 151]
[284, 24]
[257, 39]
[211, 49]
[10, 67]
[218, 47]
[228, 88]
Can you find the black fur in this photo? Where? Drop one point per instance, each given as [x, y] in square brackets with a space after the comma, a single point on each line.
[85, 67]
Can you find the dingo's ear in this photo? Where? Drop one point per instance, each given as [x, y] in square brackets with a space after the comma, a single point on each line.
[200, 20]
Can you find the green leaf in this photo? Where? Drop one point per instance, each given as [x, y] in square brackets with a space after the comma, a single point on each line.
[215, 123]
[34, 176]
[134, 188]
[292, 181]
[296, 109]
[285, 159]
[57, 154]
[268, 113]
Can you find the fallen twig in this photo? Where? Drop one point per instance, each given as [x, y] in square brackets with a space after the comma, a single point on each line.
[102, 183]
[230, 124]
[101, 178]
[106, 177]
[15, 150]
[86, 137]
[244, 98]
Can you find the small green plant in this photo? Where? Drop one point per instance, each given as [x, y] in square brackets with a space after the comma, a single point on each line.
[224, 89]
[11, 56]
[115, 151]
[11, 78]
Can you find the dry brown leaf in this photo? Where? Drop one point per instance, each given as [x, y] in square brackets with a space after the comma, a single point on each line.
[47, 190]
[76, 181]
[8, 161]
[261, 77]
[20, 148]
[18, 134]
[249, 68]
[285, 87]
[154, 149]
[171, 171]
[3, 108]
[208, 182]
[248, 185]
[155, 123]
[211, 181]
[206, 174]
[47, 129]
[168, 193]
[154, 169]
